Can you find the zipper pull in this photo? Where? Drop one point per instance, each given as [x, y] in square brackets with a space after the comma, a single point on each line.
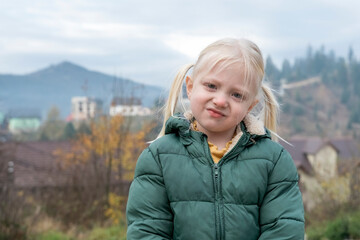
[216, 170]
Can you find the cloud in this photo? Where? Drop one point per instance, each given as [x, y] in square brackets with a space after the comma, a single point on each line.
[149, 40]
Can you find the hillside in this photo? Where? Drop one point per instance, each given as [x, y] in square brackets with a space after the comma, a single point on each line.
[56, 84]
[314, 110]
[322, 95]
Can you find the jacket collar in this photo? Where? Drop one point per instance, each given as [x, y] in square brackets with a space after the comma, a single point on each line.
[251, 125]
[249, 131]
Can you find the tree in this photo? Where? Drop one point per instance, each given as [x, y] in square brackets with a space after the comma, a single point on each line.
[286, 68]
[351, 55]
[271, 70]
[69, 131]
[53, 127]
[106, 159]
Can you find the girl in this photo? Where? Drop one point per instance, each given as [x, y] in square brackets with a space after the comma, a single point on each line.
[214, 172]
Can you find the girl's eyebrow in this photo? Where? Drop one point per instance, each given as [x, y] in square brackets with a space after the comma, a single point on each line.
[243, 91]
[240, 88]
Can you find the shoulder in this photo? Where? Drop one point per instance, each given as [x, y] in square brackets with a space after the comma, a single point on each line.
[268, 149]
[283, 164]
[170, 143]
[274, 152]
[151, 159]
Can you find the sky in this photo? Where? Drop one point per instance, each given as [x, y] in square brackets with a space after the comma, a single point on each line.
[147, 41]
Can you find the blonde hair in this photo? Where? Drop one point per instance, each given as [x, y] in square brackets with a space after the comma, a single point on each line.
[222, 54]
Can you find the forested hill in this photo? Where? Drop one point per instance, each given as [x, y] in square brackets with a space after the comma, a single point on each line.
[327, 107]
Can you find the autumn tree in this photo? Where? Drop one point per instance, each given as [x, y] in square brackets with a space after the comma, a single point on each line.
[101, 163]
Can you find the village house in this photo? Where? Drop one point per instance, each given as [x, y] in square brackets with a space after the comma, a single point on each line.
[319, 160]
[84, 108]
[128, 107]
[22, 121]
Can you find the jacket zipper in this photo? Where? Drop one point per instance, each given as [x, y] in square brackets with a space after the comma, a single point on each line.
[217, 201]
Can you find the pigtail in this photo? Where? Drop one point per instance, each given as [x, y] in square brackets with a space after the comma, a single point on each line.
[270, 109]
[174, 94]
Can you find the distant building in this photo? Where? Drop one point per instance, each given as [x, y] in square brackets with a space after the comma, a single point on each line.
[321, 157]
[22, 121]
[83, 108]
[128, 107]
[319, 160]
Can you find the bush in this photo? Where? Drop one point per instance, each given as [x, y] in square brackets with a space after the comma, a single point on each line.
[11, 230]
[354, 225]
[342, 227]
[338, 229]
[315, 233]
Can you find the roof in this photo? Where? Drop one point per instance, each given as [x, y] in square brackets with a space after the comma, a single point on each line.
[346, 148]
[296, 150]
[34, 163]
[23, 113]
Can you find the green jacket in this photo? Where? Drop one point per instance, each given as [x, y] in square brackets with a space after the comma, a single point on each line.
[178, 191]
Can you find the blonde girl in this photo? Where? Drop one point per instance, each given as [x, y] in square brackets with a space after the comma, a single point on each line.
[214, 171]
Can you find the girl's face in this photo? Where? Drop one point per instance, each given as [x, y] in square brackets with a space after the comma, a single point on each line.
[220, 99]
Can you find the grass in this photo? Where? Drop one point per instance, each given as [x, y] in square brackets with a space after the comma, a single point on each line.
[115, 232]
[345, 226]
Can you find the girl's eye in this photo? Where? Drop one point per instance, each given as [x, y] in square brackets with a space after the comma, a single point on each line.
[210, 85]
[237, 95]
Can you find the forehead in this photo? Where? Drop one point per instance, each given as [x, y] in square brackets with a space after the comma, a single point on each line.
[236, 73]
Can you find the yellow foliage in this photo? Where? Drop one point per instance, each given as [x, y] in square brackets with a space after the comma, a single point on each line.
[111, 142]
[115, 211]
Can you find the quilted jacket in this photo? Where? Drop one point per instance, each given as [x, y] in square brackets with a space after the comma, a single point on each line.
[178, 192]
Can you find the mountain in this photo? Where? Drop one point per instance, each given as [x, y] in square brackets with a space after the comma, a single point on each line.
[57, 84]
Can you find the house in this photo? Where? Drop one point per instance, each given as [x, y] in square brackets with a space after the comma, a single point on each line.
[128, 107]
[321, 157]
[20, 121]
[320, 160]
[83, 108]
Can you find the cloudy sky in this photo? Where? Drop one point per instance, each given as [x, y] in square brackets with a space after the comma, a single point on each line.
[148, 41]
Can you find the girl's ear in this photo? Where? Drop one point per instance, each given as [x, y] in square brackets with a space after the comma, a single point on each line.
[189, 86]
[256, 101]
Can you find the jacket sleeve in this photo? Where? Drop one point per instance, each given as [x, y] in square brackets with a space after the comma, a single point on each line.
[148, 210]
[282, 211]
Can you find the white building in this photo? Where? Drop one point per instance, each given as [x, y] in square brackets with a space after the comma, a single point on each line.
[83, 108]
[128, 107]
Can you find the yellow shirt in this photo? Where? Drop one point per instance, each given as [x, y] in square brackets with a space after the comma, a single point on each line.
[215, 152]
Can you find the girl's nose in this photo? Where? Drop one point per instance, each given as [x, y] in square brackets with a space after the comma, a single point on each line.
[220, 100]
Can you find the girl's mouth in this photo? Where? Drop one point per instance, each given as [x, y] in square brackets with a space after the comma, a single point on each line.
[214, 113]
